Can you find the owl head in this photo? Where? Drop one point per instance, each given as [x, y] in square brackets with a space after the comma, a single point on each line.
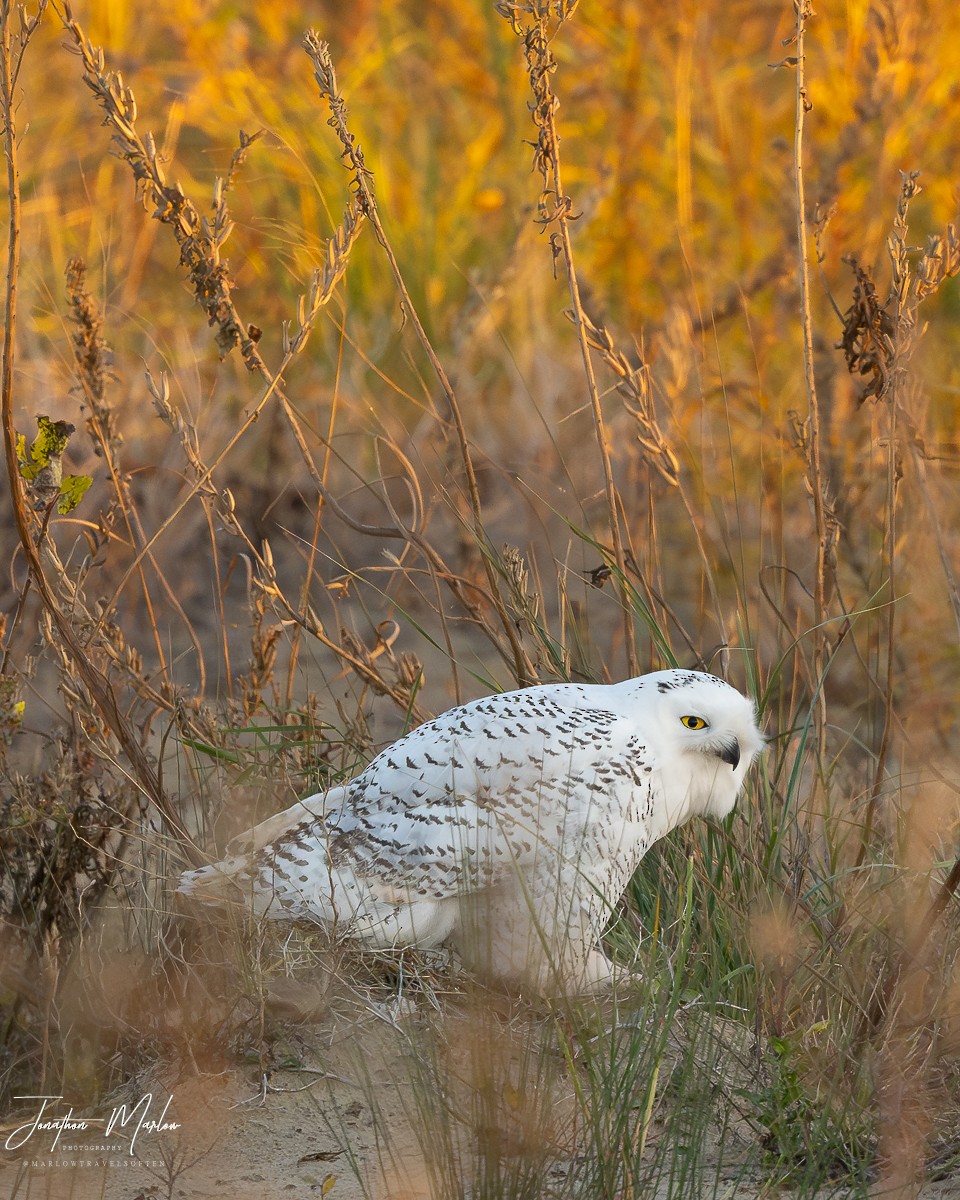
[707, 737]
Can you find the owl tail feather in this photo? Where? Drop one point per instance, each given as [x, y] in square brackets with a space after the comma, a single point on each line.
[232, 879]
[216, 884]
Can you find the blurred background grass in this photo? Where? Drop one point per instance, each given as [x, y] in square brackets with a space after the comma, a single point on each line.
[677, 147]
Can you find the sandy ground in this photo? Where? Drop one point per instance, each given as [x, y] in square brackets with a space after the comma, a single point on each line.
[348, 1107]
[372, 1094]
[298, 1133]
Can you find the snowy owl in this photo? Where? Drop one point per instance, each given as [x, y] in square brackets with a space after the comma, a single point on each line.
[508, 827]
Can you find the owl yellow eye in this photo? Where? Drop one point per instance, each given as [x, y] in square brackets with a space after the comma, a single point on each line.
[694, 722]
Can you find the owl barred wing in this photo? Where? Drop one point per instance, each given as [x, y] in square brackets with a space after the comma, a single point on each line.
[498, 784]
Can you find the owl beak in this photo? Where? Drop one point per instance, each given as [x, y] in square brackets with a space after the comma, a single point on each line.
[730, 752]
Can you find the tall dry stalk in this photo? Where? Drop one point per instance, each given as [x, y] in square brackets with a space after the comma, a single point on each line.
[904, 325]
[362, 182]
[556, 210]
[879, 339]
[97, 683]
[635, 387]
[824, 530]
[201, 241]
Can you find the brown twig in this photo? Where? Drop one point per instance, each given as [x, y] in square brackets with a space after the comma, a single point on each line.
[815, 478]
[92, 359]
[902, 319]
[555, 208]
[200, 244]
[93, 679]
[326, 79]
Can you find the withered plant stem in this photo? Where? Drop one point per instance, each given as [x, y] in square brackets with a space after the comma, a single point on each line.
[890, 397]
[540, 65]
[326, 78]
[603, 442]
[89, 358]
[815, 481]
[97, 684]
[200, 242]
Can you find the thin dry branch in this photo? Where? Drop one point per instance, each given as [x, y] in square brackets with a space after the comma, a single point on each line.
[815, 481]
[362, 183]
[93, 359]
[97, 684]
[199, 239]
[200, 242]
[555, 208]
[903, 319]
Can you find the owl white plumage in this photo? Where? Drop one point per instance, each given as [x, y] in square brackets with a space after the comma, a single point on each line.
[509, 826]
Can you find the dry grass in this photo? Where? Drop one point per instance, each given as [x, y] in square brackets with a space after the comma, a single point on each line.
[390, 475]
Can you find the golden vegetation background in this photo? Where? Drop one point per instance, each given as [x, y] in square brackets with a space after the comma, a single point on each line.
[677, 144]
